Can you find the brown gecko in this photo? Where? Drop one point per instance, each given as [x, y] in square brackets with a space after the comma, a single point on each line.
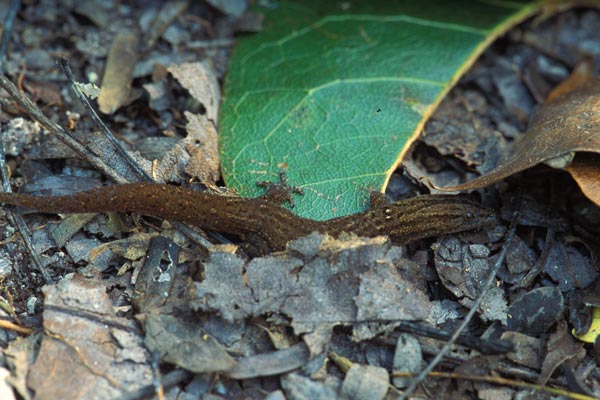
[262, 220]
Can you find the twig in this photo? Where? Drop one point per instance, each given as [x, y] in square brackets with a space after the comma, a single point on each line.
[16, 219]
[57, 130]
[209, 44]
[77, 147]
[483, 346]
[423, 374]
[14, 327]
[64, 63]
[14, 216]
[502, 381]
[539, 264]
[185, 229]
[502, 367]
[37, 114]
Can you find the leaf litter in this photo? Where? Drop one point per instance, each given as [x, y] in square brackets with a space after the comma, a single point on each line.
[564, 125]
[325, 282]
[101, 355]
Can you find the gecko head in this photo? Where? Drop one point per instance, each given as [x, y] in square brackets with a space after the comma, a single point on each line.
[469, 214]
[444, 214]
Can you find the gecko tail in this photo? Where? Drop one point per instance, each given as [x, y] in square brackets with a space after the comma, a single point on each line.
[108, 198]
[164, 201]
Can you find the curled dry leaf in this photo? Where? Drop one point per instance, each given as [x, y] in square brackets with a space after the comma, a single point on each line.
[200, 80]
[569, 124]
[582, 73]
[585, 169]
[201, 143]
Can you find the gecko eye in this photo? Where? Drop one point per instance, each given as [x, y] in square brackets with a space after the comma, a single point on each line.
[469, 216]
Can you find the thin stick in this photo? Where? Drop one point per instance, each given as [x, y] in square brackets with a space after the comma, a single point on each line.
[481, 345]
[539, 264]
[189, 232]
[64, 63]
[14, 216]
[421, 377]
[503, 381]
[16, 219]
[57, 130]
[14, 327]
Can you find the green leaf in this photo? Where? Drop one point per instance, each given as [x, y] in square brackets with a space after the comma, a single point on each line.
[335, 92]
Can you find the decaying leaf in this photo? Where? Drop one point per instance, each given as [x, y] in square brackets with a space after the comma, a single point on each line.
[536, 311]
[47, 92]
[156, 277]
[116, 83]
[569, 124]
[164, 17]
[272, 363]
[561, 347]
[234, 8]
[567, 266]
[19, 358]
[87, 352]
[70, 226]
[591, 335]
[321, 281]
[131, 248]
[581, 74]
[408, 357]
[201, 81]
[526, 351]
[185, 344]
[6, 391]
[462, 268]
[585, 169]
[201, 142]
[365, 382]
[297, 386]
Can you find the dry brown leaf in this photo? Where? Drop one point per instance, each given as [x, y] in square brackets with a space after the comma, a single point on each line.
[201, 81]
[121, 61]
[184, 343]
[132, 248]
[47, 92]
[582, 74]
[585, 169]
[561, 346]
[168, 13]
[201, 144]
[87, 352]
[196, 156]
[569, 124]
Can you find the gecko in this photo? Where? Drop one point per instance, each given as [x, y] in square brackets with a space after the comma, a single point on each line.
[263, 221]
